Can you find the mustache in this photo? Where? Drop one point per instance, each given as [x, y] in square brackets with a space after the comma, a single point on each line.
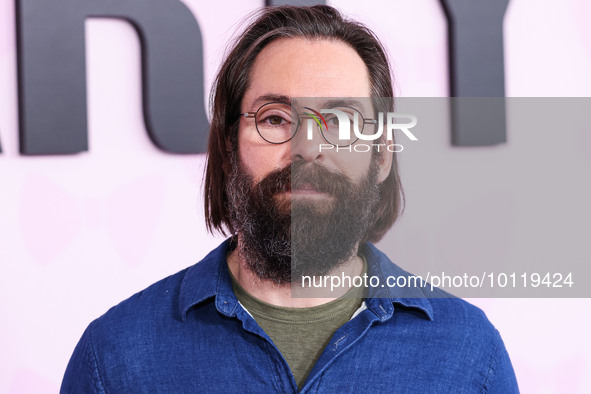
[300, 174]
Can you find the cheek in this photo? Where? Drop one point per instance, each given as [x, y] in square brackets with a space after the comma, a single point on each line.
[262, 158]
[353, 164]
[247, 151]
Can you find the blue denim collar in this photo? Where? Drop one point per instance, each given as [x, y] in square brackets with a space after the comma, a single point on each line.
[382, 300]
[210, 279]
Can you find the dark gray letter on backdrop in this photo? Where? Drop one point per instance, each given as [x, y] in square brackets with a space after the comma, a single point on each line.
[52, 73]
[477, 70]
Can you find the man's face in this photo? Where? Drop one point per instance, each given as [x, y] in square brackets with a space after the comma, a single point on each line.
[296, 207]
[296, 67]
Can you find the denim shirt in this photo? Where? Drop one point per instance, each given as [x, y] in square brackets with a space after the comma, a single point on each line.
[188, 333]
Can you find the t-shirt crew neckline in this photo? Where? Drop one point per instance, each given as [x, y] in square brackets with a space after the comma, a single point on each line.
[325, 312]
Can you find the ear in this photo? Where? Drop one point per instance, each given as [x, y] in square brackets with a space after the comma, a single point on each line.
[384, 165]
[228, 144]
[226, 163]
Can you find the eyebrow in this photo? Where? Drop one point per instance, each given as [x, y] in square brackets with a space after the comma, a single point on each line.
[271, 98]
[280, 98]
[343, 103]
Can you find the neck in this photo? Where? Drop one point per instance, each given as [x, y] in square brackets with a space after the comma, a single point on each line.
[281, 294]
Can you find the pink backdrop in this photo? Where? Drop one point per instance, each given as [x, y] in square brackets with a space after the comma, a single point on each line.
[80, 233]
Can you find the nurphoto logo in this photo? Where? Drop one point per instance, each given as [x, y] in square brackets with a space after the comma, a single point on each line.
[348, 122]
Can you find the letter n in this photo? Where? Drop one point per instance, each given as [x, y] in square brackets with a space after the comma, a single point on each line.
[52, 73]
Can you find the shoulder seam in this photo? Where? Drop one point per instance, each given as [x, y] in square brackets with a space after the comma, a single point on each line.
[98, 383]
[493, 361]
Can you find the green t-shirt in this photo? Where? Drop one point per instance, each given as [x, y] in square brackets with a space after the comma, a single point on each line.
[301, 334]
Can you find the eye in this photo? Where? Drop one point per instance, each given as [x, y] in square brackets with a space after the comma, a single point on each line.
[275, 120]
[274, 115]
[332, 121]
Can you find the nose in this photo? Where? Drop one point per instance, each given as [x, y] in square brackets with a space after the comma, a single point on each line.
[307, 143]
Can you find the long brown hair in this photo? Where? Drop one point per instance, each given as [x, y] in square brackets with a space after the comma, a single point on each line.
[317, 22]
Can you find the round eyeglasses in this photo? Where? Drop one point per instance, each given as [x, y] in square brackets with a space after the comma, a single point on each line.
[277, 123]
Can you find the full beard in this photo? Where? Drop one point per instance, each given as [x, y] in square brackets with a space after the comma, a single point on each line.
[283, 238]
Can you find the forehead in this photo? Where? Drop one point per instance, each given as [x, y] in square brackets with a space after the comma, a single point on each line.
[298, 67]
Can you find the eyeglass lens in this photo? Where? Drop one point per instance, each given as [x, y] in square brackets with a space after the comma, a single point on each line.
[277, 123]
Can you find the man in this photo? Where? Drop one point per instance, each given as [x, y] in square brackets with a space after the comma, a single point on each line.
[233, 322]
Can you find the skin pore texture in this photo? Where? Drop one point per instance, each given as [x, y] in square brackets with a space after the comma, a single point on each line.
[298, 67]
